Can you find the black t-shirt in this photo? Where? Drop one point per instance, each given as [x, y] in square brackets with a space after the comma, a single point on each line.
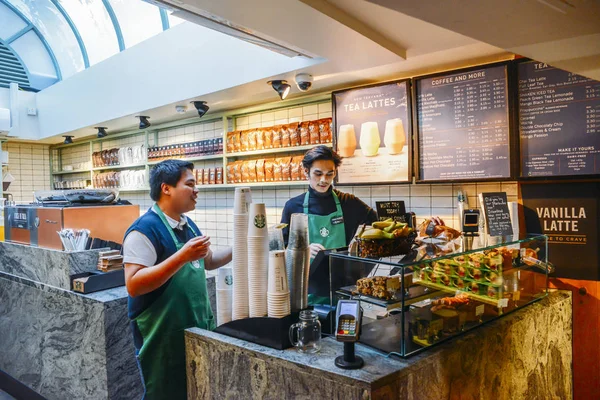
[355, 211]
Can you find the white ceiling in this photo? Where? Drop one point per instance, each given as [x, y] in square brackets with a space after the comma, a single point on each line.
[350, 58]
[563, 33]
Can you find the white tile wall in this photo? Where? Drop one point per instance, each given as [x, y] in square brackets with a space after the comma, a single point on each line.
[30, 165]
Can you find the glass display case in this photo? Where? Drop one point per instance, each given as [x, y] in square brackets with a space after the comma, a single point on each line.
[409, 306]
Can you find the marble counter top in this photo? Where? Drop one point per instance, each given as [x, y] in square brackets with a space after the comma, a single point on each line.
[526, 354]
[52, 267]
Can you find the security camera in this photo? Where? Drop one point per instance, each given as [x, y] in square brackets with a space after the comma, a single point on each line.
[304, 82]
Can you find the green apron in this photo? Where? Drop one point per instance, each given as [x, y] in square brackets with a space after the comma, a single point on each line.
[328, 231]
[184, 304]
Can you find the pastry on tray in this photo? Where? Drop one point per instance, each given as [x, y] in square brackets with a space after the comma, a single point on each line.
[382, 287]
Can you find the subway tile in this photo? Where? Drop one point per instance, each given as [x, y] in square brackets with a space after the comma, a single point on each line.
[242, 121]
[280, 115]
[295, 119]
[268, 194]
[380, 191]
[396, 191]
[362, 192]
[421, 213]
[311, 109]
[488, 187]
[326, 114]
[309, 117]
[254, 125]
[468, 189]
[253, 119]
[420, 190]
[442, 201]
[420, 201]
[511, 189]
[268, 124]
[324, 107]
[441, 190]
[282, 121]
[295, 112]
[267, 117]
[443, 212]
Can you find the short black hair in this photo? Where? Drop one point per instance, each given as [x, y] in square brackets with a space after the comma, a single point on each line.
[169, 172]
[320, 153]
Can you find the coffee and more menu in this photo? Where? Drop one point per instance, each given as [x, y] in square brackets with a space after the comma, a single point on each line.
[559, 122]
[464, 125]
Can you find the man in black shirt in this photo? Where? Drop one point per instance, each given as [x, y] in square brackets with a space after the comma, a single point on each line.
[333, 216]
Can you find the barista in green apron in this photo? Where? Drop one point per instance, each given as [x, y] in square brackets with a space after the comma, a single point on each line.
[333, 216]
[165, 260]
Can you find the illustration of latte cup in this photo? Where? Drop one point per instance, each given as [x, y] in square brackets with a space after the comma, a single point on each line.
[394, 137]
[346, 141]
[369, 139]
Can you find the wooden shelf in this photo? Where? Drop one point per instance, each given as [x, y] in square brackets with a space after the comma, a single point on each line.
[75, 171]
[274, 151]
[201, 158]
[118, 167]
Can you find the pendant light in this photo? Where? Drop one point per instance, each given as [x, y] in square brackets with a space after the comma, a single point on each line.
[281, 87]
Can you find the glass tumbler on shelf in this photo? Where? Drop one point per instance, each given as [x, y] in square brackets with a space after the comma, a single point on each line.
[306, 334]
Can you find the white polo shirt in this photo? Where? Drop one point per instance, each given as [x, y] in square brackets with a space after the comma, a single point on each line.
[138, 249]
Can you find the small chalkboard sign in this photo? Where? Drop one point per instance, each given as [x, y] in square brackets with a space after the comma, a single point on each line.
[496, 214]
[391, 209]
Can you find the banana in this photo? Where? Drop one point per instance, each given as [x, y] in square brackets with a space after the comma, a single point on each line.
[383, 224]
[375, 233]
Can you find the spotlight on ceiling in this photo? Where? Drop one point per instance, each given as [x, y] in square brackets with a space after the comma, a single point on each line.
[68, 139]
[201, 106]
[281, 87]
[101, 131]
[144, 123]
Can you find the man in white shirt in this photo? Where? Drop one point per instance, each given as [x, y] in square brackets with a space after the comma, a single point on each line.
[165, 257]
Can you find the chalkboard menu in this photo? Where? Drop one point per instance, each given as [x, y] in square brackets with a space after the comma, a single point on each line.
[463, 125]
[391, 209]
[559, 122]
[497, 215]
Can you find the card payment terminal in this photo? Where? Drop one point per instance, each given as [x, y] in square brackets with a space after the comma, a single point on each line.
[348, 320]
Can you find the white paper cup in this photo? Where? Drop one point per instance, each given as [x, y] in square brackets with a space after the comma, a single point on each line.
[241, 199]
[277, 275]
[225, 278]
[257, 220]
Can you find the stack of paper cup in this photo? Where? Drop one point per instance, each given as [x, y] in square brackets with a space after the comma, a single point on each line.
[224, 295]
[297, 259]
[240, 253]
[258, 258]
[278, 296]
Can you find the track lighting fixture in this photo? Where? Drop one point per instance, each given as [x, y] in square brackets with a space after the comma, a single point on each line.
[144, 123]
[101, 131]
[281, 87]
[68, 139]
[201, 106]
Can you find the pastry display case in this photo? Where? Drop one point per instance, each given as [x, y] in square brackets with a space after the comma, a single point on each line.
[410, 305]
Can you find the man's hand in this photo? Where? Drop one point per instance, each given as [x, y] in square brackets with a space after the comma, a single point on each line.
[315, 248]
[438, 221]
[195, 249]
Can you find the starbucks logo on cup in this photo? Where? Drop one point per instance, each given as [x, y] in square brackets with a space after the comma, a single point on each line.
[229, 280]
[324, 232]
[260, 221]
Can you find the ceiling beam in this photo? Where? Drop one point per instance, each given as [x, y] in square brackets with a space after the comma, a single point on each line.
[348, 20]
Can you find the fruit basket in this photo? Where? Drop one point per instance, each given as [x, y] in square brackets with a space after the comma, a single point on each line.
[385, 239]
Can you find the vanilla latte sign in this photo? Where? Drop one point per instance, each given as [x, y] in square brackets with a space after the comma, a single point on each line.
[373, 133]
[568, 215]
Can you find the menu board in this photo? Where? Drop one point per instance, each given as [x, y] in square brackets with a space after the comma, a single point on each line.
[559, 122]
[463, 125]
[497, 215]
[568, 213]
[373, 133]
[391, 209]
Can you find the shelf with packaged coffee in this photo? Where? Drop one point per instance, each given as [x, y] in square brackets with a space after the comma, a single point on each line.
[291, 137]
[113, 167]
[74, 171]
[190, 159]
